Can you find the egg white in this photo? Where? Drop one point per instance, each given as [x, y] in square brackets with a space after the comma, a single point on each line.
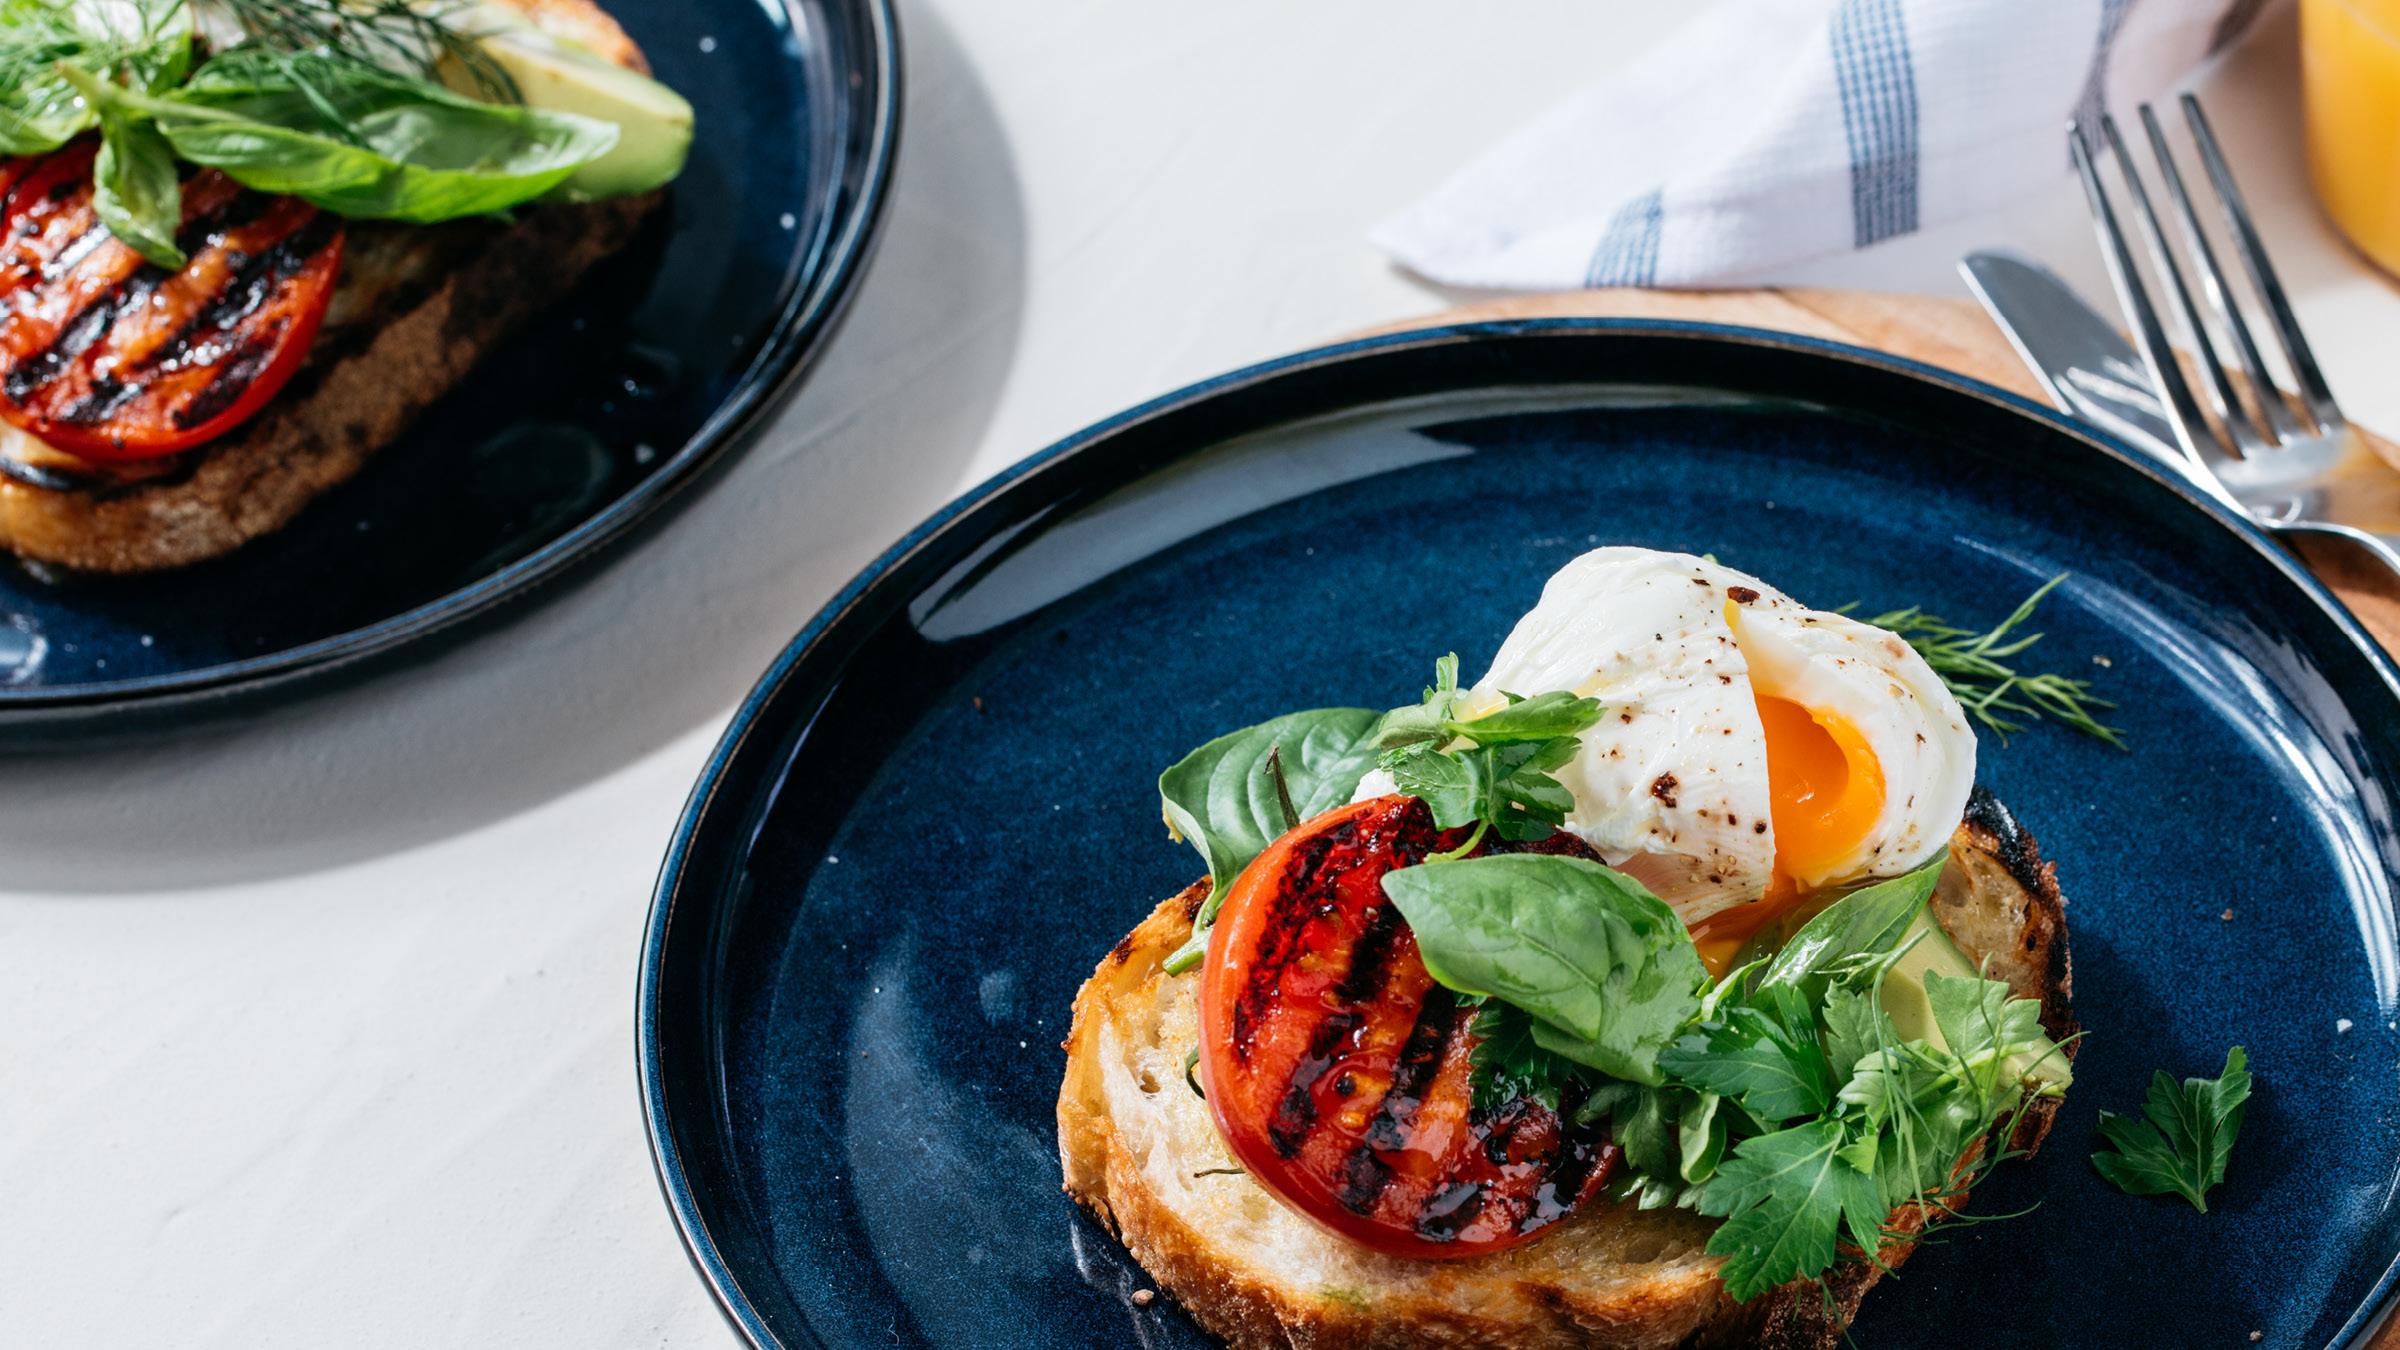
[1914, 727]
[1671, 784]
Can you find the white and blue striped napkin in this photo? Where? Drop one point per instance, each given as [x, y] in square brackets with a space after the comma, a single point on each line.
[1770, 131]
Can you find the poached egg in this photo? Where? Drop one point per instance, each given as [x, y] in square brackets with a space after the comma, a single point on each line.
[1751, 751]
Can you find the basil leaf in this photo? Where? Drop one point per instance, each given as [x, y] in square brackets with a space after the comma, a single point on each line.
[138, 192]
[1866, 922]
[1221, 799]
[1605, 965]
[1540, 718]
[145, 43]
[41, 114]
[368, 143]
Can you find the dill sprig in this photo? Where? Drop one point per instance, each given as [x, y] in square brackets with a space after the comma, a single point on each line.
[1974, 666]
[394, 35]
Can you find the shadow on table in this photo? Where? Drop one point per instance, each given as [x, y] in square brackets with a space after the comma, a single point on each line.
[666, 636]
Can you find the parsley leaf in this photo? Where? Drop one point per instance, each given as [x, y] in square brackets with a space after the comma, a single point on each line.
[1456, 788]
[1507, 786]
[1642, 1121]
[1491, 771]
[2188, 1139]
[1423, 721]
[1781, 1196]
[1752, 1057]
[1997, 1039]
[1852, 1020]
[1604, 967]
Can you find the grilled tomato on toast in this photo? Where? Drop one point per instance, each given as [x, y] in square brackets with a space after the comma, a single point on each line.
[1337, 1069]
[111, 357]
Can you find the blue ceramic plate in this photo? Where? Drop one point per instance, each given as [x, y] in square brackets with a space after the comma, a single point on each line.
[938, 811]
[560, 441]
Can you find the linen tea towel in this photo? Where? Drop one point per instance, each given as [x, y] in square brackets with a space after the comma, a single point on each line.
[1770, 131]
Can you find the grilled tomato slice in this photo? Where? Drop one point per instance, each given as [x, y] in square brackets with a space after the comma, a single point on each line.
[110, 357]
[1337, 1069]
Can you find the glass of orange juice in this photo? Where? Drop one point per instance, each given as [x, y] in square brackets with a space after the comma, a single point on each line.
[2350, 72]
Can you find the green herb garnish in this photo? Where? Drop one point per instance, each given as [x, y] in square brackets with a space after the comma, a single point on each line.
[2185, 1143]
[1603, 966]
[341, 102]
[1240, 792]
[397, 35]
[1781, 1100]
[1226, 801]
[1493, 771]
[1974, 667]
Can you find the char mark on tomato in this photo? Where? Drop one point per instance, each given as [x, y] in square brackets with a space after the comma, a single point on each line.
[1340, 1072]
[1586, 1162]
[253, 284]
[1453, 1207]
[233, 379]
[28, 378]
[1298, 1113]
[1309, 895]
[1420, 1060]
[107, 355]
[1371, 955]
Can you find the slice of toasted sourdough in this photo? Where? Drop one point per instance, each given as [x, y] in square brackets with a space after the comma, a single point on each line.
[413, 310]
[1143, 1157]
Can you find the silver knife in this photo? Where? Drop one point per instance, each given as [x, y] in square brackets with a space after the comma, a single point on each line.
[2085, 365]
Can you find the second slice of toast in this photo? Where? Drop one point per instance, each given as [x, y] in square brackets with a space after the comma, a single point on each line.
[413, 311]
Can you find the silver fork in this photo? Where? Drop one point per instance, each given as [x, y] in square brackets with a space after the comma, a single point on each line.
[2287, 468]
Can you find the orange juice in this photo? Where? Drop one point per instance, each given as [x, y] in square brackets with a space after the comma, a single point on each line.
[2350, 69]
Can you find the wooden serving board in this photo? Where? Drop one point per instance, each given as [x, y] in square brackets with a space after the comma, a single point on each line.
[1954, 334]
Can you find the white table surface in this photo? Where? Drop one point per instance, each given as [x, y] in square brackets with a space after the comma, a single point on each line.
[320, 1030]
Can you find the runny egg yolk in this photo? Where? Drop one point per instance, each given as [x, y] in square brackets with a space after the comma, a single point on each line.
[1824, 789]
[1824, 793]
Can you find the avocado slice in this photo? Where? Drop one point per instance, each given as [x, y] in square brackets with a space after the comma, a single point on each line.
[654, 123]
[1911, 1012]
[1904, 998]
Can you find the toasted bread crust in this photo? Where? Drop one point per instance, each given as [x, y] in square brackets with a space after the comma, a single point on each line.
[357, 393]
[1141, 1157]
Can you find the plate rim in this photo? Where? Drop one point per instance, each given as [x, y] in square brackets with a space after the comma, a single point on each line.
[700, 1245]
[799, 336]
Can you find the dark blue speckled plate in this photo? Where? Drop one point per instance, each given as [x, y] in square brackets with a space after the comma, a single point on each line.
[561, 441]
[938, 811]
